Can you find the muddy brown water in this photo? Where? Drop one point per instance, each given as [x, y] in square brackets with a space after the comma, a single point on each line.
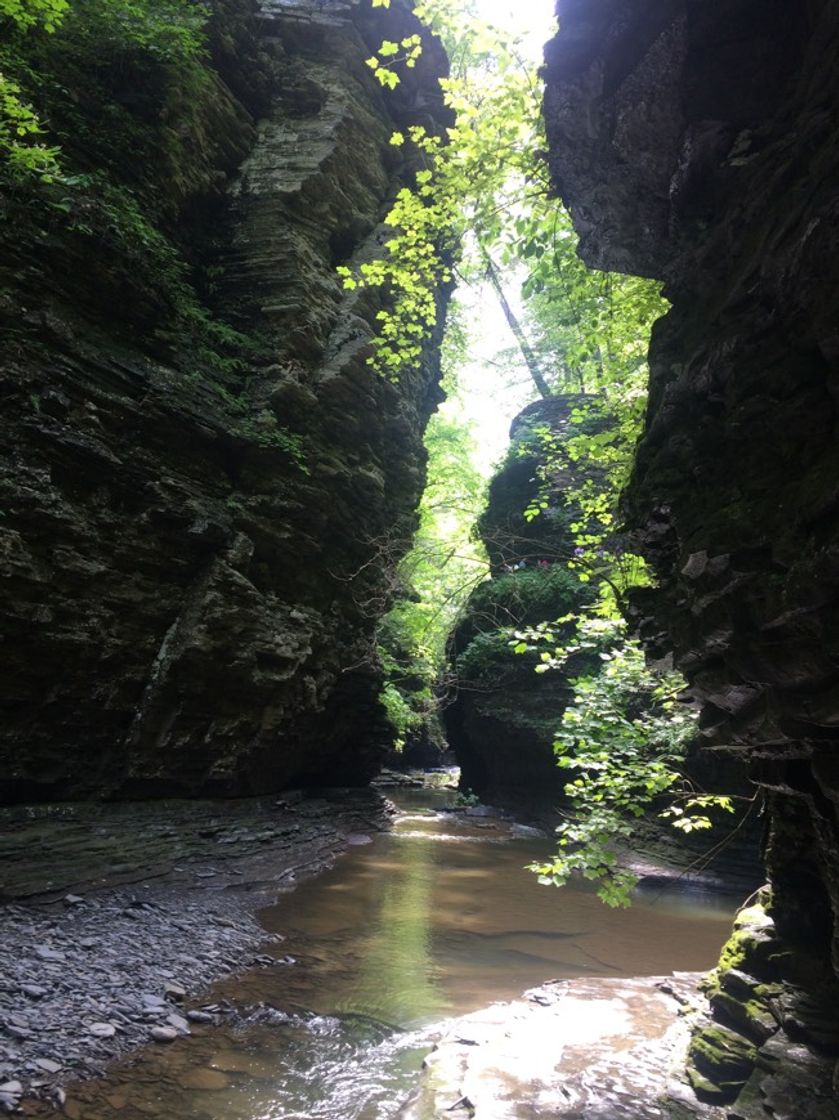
[430, 921]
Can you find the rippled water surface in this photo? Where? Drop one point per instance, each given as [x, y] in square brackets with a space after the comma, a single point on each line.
[433, 920]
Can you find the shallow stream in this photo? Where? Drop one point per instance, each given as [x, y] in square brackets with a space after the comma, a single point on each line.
[430, 921]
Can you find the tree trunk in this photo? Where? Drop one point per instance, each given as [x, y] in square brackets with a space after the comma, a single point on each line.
[515, 326]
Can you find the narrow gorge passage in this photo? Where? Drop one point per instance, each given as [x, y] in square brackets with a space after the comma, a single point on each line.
[389, 385]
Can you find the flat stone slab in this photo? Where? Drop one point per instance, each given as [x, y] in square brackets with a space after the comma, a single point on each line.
[603, 1049]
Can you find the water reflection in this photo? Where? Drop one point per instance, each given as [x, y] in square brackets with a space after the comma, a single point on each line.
[396, 975]
[442, 919]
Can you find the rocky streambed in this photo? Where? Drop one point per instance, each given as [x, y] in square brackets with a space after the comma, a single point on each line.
[118, 916]
[134, 928]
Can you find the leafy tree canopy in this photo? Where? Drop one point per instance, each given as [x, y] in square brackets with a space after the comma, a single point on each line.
[444, 564]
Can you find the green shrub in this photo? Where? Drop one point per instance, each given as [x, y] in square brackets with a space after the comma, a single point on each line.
[486, 658]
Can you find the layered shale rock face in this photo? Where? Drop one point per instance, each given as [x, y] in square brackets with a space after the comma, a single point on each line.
[696, 142]
[502, 716]
[196, 518]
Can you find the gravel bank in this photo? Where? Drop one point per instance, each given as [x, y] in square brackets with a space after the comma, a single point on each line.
[90, 969]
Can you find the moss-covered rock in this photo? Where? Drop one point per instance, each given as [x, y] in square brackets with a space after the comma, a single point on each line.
[502, 717]
[749, 1005]
[753, 939]
[720, 1062]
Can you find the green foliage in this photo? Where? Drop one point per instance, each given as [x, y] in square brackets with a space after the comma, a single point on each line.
[24, 14]
[111, 215]
[412, 271]
[97, 208]
[527, 596]
[486, 189]
[127, 207]
[590, 332]
[592, 459]
[265, 431]
[406, 52]
[402, 717]
[170, 31]
[622, 741]
[117, 196]
[466, 184]
[503, 606]
[95, 34]
[444, 564]
[485, 658]
[19, 123]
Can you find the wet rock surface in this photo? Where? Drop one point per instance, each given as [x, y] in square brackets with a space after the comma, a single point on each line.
[91, 973]
[593, 1048]
[769, 1040]
[608, 1049]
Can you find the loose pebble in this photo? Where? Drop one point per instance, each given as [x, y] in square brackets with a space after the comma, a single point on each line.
[48, 1065]
[36, 991]
[48, 954]
[196, 1016]
[164, 1034]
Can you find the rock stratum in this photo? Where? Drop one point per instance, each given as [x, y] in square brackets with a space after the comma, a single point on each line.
[201, 477]
[696, 144]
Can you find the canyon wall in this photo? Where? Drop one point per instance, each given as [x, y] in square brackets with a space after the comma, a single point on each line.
[201, 476]
[696, 143]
